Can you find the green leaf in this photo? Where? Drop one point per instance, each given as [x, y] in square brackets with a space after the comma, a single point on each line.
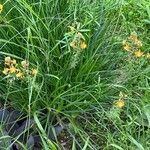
[116, 146]
[136, 143]
[5, 139]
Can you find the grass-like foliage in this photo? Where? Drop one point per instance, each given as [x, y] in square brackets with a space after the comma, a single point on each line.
[75, 74]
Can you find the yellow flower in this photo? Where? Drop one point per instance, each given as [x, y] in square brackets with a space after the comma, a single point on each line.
[138, 53]
[19, 75]
[120, 103]
[126, 47]
[148, 55]
[24, 64]
[7, 61]
[1, 8]
[83, 45]
[13, 61]
[12, 69]
[34, 72]
[5, 71]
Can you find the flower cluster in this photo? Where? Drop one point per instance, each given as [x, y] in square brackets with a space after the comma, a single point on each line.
[77, 40]
[17, 71]
[133, 44]
[120, 102]
[1, 8]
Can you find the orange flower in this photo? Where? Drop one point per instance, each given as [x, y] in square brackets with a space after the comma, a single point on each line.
[83, 45]
[120, 103]
[19, 75]
[12, 69]
[5, 71]
[34, 72]
[1, 8]
[138, 53]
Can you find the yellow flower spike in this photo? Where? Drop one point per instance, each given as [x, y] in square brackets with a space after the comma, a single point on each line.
[5, 71]
[120, 103]
[34, 72]
[83, 45]
[24, 64]
[1, 8]
[7, 61]
[138, 53]
[148, 55]
[12, 69]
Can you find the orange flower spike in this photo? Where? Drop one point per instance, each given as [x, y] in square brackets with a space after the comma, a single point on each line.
[120, 103]
[138, 53]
